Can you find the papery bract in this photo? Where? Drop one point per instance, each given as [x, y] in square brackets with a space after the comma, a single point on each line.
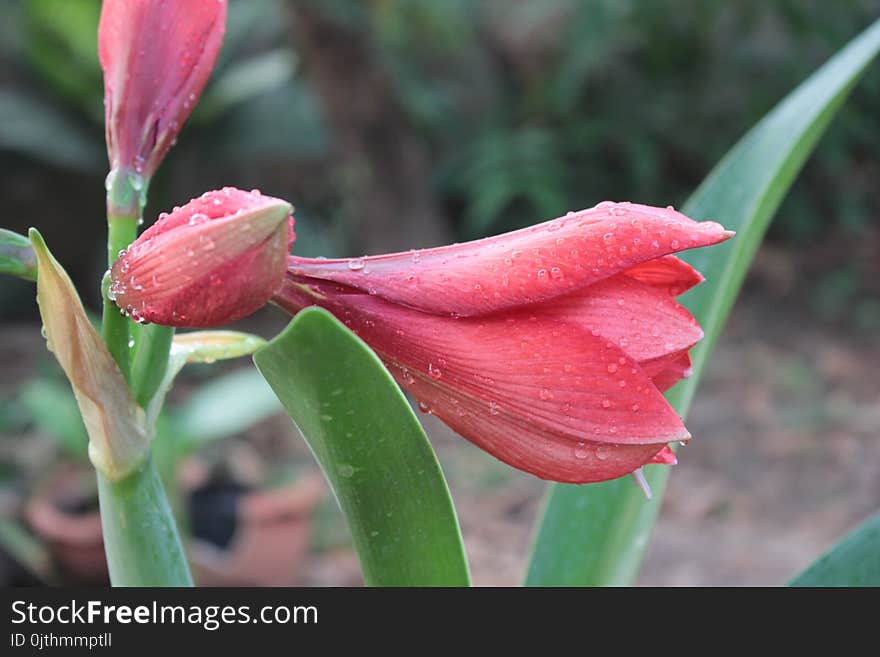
[217, 259]
[118, 438]
[157, 56]
[548, 347]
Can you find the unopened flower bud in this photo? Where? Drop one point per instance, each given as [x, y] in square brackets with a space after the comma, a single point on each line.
[215, 260]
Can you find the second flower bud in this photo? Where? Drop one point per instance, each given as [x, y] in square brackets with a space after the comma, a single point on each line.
[212, 261]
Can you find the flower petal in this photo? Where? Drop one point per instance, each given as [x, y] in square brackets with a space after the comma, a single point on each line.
[668, 370]
[525, 266]
[545, 396]
[668, 272]
[665, 457]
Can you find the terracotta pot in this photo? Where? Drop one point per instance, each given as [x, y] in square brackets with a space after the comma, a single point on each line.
[272, 533]
[64, 514]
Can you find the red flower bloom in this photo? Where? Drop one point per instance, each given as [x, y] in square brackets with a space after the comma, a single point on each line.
[217, 259]
[548, 347]
[157, 56]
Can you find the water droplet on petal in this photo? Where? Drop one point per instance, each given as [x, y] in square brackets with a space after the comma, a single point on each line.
[581, 451]
[356, 264]
[602, 452]
[494, 408]
[434, 372]
[545, 394]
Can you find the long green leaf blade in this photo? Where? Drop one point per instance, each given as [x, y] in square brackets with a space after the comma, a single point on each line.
[596, 534]
[372, 449]
[855, 561]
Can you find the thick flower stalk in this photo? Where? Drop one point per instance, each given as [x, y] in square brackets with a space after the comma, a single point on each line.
[548, 347]
[212, 261]
[157, 56]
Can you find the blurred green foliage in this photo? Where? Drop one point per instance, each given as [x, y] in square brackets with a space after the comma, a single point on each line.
[525, 109]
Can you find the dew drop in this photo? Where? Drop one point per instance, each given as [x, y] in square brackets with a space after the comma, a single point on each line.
[606, 403]
[674, 244]
[408, 378]
[494, 408]
[424, 408]
[346, 470]
[556, 273]
[434, 372]
[356, 264]
[545, 394]
[612, 368]
[581, 451]
[602, 452]
[622, 383]
[635, 408]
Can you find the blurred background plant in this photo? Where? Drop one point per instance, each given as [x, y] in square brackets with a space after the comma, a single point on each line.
[393, 124]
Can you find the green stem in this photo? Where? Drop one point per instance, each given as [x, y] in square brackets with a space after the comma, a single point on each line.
[123, 216]
[140, 536]
[153, 344]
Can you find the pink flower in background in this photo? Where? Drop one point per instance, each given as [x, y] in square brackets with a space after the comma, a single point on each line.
[157, 56]
[548, 347]
[218, 258]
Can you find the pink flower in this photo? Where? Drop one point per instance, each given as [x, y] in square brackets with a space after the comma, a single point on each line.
[157, 56]
[218, 258]
[548, 347]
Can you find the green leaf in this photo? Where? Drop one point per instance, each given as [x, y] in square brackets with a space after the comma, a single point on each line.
[53, 409]
[597, 534]
[372, 449]
[855, 561]
[34, 127]
[225, 406]
[17, 258]
[199, 347]
[25, 548]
